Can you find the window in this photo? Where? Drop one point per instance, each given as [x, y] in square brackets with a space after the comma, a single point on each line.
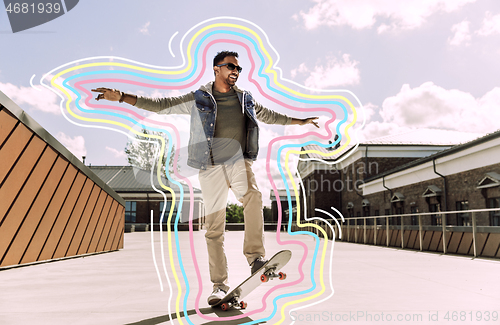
[435, 219]
[130, 211]
[463, 219]
[414, 219]
[167, 210]
[399, 210]
[366, 213]
[494, 215]
[350, 211]
[378, 220]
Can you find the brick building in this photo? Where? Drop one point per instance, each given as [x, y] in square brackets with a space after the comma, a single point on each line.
[463, 177]
[284, 206]
[361, 181]
[134, 186]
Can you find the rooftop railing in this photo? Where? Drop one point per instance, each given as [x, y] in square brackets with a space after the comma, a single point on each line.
[378, 230]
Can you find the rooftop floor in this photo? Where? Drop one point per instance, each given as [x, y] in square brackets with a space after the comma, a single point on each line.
[372, 285]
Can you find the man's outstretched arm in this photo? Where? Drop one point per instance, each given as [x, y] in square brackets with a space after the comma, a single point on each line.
[271, 117]
[166, 105]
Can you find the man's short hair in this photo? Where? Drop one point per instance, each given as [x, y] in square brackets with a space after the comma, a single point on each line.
[222, 55]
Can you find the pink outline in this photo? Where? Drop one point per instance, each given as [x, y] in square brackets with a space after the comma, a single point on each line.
[268, 158]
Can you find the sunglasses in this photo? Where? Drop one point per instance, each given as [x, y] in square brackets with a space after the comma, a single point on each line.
[231, 67]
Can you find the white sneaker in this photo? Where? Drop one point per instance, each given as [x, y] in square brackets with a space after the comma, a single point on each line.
[216, 296]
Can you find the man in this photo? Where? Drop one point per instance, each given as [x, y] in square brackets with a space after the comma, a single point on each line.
[223, 145]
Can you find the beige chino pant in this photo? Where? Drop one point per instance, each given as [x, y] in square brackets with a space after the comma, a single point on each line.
[215, 182]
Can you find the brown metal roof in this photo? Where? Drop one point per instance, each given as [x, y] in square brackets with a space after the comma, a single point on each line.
[132, 179]
[31, 124]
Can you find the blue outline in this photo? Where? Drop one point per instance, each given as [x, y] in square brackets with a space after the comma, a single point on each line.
[181, 198]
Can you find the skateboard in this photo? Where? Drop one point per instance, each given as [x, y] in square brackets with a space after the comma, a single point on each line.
[264, 274]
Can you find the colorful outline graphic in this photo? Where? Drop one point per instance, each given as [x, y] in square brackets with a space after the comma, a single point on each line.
[73, 80]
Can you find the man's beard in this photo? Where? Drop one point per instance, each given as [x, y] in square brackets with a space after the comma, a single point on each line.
[231, 81]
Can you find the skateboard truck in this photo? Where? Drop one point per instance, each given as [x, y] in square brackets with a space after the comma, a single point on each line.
[271, 274]
[233, 302]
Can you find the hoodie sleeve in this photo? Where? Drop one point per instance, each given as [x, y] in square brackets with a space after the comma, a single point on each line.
[271, 117]
[167, 105]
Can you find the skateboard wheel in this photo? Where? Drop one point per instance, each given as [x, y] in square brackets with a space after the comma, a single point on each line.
[243, 305]
[264, 278]
[224, 306]
[282, 276]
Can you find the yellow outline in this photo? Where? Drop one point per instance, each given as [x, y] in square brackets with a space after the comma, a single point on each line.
[275, 79]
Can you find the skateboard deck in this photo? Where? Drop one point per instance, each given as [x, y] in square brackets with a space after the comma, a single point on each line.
[264, 274]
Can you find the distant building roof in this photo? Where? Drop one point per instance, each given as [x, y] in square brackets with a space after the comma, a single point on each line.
[426, 137]
[282, 194]
[418, 137]
[132, 179]
[443, 153]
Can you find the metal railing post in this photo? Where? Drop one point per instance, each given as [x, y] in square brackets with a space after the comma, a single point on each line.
[420, 235]
[402, 234]
[474, 234]
[375, 231]
[387, 231]
[364, 230]
[443, 223]
[356, 231]
[349, 230]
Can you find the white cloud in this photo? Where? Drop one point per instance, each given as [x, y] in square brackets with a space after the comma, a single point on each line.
[40, 98]
[363, 14]
[266, 135]
[76, 145]
[117, 153]
[145, 29]
[334, 73]
[300, 70]
[370, 110]
[181, 122]
[461, 34]
[491, 25]
[158, 93]
[376, 129]
[431, 106]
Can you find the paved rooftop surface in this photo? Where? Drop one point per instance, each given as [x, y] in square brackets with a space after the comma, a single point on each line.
[372, 285]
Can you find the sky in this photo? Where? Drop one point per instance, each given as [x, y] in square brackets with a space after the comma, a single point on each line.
[412, 64]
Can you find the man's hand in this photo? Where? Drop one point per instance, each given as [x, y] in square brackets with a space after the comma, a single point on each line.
[108, 94]
[305, 121]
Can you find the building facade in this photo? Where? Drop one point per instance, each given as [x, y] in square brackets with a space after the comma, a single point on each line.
[463, 177]
[134, 185]
[339, 179]
[437, 186]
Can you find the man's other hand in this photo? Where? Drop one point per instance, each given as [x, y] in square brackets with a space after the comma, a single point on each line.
[108, 94]
[304, 121]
